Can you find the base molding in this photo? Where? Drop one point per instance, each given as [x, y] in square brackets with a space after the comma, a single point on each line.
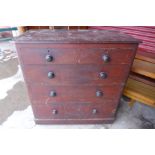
[75, 121]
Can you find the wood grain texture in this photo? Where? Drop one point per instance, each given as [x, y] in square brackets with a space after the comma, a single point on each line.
[77, 64]
[77, 55]
[74, 111]
[141, 78]
[140, 91]
[145, 56]
[73, 94]
[76, 74]
[74, 36]
[144, 68]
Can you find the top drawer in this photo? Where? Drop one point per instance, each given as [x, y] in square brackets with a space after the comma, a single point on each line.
[76, 55]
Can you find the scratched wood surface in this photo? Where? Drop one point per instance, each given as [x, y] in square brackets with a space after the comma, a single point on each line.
[75, 36]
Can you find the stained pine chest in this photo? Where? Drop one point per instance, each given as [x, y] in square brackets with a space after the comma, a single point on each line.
[76, 76]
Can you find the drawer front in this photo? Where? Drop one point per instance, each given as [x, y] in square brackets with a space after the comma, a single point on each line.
[72, 94]
[75, 111]
[76, 56]
[76, 74]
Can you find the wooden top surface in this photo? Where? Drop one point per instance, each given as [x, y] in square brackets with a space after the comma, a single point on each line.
[74, 36]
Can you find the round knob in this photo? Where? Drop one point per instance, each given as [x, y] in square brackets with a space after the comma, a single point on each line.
[49, 58]
[103, 75]
[106, 58]
[53, 94]
[51, 75]
[94, 111]
[99, 93]
[54, 111]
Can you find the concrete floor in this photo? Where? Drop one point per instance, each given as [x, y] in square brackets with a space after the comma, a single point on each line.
[13, 95]
[16, 112]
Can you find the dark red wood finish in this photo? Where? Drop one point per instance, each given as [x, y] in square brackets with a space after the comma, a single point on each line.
[74, 94]
[76, 74]
[77, 64]
[75, 36]
[75, 111]
[76, 55]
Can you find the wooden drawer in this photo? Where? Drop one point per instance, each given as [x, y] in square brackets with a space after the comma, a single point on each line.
[76, 74]
[76, 55]
[73, 94]
[74, 111]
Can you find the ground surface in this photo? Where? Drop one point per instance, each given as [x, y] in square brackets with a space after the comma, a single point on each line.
[16, 112]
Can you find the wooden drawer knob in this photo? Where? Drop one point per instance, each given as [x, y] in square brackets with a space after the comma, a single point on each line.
[99, 93]
[51, 75]
[94, 111]
[49, 58]
[53, 94]
[103, 75]
[106, 58]
[54, 111]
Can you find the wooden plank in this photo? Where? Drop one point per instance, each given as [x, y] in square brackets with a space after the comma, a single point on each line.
[142, 78]
[140, 91]
[144, 68]
[146, 56]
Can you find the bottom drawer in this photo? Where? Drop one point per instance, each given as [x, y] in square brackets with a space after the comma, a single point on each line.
[75, 111]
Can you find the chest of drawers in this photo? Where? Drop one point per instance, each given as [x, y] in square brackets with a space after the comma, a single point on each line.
[77, 76]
